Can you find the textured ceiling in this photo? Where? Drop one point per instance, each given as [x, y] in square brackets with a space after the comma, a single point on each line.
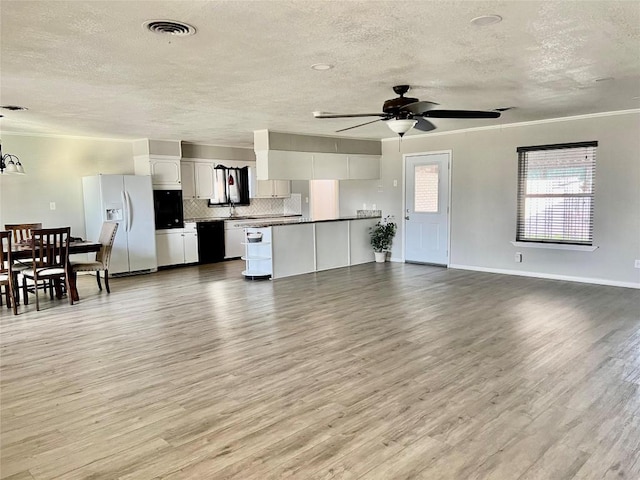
[89, 68]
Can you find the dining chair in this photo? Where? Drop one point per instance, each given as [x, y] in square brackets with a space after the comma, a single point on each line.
[21, 234]
[50, 256]
[103, 257]
[22, 231]
[6, 271]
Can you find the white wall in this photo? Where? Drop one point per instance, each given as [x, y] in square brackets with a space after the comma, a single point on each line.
[484, 190]
[55, 167]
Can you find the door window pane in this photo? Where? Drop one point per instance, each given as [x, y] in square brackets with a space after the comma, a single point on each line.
[426, 188]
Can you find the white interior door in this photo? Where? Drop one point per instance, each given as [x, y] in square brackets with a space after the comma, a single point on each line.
[427, 209]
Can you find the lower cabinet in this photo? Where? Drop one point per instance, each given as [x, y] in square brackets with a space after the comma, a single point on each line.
[190, 245]
[177, 246]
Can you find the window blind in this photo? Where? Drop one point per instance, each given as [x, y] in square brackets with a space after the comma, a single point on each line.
[555, 193]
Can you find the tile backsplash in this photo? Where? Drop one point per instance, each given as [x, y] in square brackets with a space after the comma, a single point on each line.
[198, 208]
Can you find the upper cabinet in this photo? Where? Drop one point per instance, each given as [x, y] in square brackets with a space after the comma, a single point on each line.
[204, 180]
[284, 165]
[364, 167]
[197, 179]
[161, 160]
[287, 165]
[330, 166]
[188, 175]
[165, 172]
[268, 188]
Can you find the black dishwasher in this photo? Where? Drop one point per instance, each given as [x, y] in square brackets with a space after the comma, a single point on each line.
[210, 242]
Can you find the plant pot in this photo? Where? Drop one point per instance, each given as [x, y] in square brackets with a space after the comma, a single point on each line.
[381, 257]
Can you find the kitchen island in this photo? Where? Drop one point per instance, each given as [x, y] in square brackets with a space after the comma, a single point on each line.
[297, 246]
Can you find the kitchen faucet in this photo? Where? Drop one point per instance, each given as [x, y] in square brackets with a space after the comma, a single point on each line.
[232, 210]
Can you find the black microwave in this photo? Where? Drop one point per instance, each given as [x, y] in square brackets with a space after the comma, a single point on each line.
[167, 205]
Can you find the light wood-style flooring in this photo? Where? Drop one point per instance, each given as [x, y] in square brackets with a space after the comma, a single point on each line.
[380, 371]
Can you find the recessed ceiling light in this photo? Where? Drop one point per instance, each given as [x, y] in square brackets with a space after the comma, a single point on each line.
[486, 20]
[321, 66]
[13, 108]
[170, 27]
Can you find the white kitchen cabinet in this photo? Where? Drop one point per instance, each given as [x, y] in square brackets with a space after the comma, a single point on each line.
[289, 165]
[177, 246]
[165, 172]
[268, 188]
[281, 188]
[204, 180]
[364, 167]
[170, 247]
[330, 166]
[284, 165]
[197, 179]
[190, 243]
[188, 178]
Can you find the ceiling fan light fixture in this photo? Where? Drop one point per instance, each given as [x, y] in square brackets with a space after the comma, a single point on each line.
[486, 20]
[401, 126]
[321, 67]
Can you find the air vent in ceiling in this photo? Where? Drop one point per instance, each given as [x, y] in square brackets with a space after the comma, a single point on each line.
[170, 27]
[13, 108]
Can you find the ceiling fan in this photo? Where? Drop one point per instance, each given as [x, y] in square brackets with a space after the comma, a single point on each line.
[404, 113]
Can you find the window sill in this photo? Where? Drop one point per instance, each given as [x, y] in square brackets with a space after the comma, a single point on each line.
[555, 246]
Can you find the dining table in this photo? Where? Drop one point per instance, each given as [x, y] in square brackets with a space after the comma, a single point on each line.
[22, 251]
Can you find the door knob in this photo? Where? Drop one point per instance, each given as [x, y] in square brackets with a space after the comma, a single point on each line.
[407, 217]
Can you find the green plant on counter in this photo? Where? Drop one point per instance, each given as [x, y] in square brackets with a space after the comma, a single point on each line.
[382, 234]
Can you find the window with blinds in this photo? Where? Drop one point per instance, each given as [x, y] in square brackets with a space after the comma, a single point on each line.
[555, 193]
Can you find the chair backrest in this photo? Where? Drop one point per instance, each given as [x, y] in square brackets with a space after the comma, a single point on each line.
[107, 237]
[50, 247]
[5, 252]
[22, 231]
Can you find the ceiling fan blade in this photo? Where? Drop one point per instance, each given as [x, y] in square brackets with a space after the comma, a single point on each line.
[361, 125]
[347, 115]
[424, 125]
[418, 108]
[460, 114]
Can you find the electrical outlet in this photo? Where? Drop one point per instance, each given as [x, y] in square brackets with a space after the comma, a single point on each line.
[518, 257]
[395, 183]
[52, 205]
[306, 199]
[637, 264]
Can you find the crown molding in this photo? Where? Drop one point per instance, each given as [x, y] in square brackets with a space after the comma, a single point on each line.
[57, 135]
[519, 124]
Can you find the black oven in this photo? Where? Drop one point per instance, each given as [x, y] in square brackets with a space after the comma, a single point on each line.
[167, 205]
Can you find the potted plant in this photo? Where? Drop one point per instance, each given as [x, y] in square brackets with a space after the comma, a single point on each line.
[382, 234]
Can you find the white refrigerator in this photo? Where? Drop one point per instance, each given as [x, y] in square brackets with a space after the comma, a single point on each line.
[127, 200]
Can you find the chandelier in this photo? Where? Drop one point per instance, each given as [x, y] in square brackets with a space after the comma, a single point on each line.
[10, 164]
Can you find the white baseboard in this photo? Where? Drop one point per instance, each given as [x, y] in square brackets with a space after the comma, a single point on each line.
[549, 276]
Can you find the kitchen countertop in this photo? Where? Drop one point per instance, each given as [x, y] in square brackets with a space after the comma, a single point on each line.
[299, 220]
[238, 217]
